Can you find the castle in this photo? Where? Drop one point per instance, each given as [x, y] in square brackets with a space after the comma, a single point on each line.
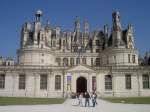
[55, 63]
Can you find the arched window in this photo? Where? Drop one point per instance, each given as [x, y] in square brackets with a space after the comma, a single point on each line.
[57, 82]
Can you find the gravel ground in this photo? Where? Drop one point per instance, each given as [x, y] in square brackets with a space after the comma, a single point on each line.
[71, 106]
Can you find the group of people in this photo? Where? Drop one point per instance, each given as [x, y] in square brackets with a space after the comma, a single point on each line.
[87, 98]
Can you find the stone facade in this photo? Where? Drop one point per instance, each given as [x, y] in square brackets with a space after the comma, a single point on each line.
[56, 63]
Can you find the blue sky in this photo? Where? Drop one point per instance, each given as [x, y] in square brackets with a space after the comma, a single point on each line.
[13, 13]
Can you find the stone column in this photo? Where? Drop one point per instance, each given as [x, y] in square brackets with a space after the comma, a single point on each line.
[48, 82]
[14, 84]
[74, 78]
[36, 84]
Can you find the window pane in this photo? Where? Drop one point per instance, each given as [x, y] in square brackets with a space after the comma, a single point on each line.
[2, 81]
[133, 58]
[72, 61]
[129, 58]
[108, 82]
[22, 81]
[128, 81]
[94, 83]
[43, 81]
[145, 81]
[97, 61]
[57, 82]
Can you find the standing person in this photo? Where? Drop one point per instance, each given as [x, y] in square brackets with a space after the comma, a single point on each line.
[80, 99]
[87, 97]
[93, 99]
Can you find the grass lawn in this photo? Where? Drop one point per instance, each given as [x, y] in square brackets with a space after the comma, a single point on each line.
[132, 100]
[29, 101]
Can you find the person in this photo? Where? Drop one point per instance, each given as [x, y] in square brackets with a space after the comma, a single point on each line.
[87, 97]
[93, 99]
[80, 99]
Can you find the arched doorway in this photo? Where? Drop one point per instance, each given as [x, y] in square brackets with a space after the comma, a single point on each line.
[81, 84]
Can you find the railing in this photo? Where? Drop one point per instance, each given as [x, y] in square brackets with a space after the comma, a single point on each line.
[116, 67]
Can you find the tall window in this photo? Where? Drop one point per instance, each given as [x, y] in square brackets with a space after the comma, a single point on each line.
[108, 82]
[65, 61]
[94, 83]
[115, 59]
[77, 61]
[97, 50]
[128, 81]
[43, 81]
[92, 62]
[58, 60]
[84, 60]
[107, 59]
[129, 60]
[2, 81]
[57, 82]
[145, 81]
[22, 82]
[97, 61]
[72, 61]
[133, 58]
[97, 42]
[63, 42]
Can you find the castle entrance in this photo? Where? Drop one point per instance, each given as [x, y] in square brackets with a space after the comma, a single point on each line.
[81, 84]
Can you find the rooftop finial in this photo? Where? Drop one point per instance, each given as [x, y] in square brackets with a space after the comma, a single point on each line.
[38, 15]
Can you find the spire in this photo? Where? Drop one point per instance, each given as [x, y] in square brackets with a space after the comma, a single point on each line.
[130, 27]
[77, 24]
[48, 24]
[86, 27]
[106, 35]
[106, 29]
[38, 15]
